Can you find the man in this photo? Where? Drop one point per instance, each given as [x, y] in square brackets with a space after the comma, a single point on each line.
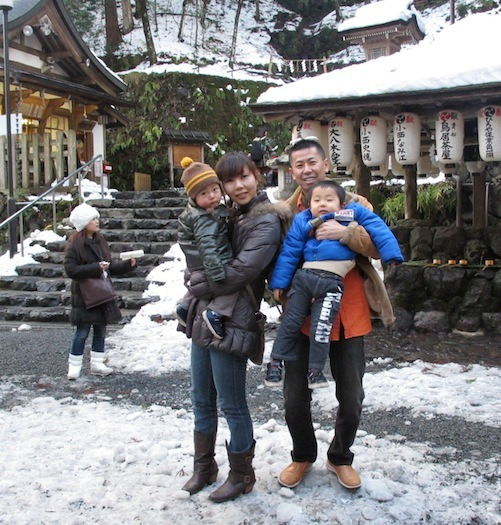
[308, 164]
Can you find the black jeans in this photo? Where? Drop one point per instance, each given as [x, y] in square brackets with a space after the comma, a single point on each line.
[326, 291]
[347, 360]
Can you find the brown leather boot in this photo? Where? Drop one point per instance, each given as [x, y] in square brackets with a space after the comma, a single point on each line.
[204, 465]
[241, 478]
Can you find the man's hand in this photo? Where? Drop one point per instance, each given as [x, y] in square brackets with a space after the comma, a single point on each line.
[277, 294]
[331, 230]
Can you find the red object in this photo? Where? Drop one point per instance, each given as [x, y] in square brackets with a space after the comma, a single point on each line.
[107, 168]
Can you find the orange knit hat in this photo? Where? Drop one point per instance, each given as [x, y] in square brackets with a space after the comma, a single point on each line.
[197, 176]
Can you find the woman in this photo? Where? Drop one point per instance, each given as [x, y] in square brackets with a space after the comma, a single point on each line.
[87, 255]
[218, 367]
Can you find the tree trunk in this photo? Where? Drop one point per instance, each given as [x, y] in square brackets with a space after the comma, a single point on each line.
[128, 22]
[181, 22]
[257, 16]
[113, 35]
[235, 33]
[150, 45]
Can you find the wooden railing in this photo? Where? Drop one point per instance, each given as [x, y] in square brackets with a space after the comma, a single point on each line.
[38, 160]
[299, 68]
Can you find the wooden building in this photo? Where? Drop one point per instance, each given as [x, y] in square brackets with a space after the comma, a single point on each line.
[65, 96]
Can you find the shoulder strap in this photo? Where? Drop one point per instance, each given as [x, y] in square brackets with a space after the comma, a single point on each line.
[250, 291]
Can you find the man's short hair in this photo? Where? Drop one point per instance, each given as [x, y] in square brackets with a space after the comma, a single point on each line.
[310, 142]
[329, 183]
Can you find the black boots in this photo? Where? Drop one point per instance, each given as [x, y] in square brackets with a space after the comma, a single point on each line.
[204, 465]
[241, 478]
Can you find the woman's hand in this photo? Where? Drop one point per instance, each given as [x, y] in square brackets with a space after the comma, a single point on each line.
[104, 265]
[331, 230]
[199, 286]
[133, 262]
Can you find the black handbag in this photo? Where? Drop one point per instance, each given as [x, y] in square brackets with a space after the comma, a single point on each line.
[96, 291]
[260, 319]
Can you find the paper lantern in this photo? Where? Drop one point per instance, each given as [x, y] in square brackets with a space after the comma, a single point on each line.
[312, 128]
[378, 172]
[407, 138]
[447, 169]
[489, 133]
[373, 139]
[396, 168]
[449, 136]
[341, 143]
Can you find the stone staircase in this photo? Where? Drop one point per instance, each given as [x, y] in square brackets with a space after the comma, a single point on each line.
[132, 221]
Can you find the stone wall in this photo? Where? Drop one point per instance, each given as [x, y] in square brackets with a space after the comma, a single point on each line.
[442, 297]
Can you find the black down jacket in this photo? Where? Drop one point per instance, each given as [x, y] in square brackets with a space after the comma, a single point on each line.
[78, 267]
[255, 231]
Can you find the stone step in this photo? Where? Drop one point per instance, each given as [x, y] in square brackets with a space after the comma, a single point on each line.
[138, 235]
[34, 284]
[49, 257]
[47, 299]
[153, 194]
[158, 248]
[166, 202]
[113, 223]
[35, 313]
[48, 270]
[141, 213]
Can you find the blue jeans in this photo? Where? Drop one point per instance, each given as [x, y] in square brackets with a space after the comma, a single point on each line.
[81, 334]
[347, 360]
[216, 374]
[325, 289]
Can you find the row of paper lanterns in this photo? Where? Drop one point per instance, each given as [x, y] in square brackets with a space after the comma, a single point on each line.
[338, 138]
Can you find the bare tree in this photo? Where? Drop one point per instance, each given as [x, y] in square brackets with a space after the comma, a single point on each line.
[257, 16]
[150, 45]
[127, 20]
[113, 35]
[181, 22]
[235, 33]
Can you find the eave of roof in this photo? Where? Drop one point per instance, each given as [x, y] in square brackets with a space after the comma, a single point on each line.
[186, 136]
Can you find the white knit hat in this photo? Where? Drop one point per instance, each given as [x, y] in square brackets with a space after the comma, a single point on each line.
[82, 215]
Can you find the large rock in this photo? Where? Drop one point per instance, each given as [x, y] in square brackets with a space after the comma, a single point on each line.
[421, 240]
[444, 283]
[431, 322]
[448, 242]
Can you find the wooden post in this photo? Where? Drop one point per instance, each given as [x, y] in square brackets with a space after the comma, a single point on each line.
[459, 201]
[72, 150]
[3, 161]
[361, 175]
[479, 200]
[410, 175]
[324, 63]
[59, 155]
[171, 164]
[35, 142]
[25, 161]
[47, 159]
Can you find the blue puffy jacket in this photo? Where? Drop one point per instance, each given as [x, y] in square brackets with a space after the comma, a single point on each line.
[301, 244]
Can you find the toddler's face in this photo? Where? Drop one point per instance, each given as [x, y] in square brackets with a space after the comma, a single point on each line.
[209, 198]
[324, 200]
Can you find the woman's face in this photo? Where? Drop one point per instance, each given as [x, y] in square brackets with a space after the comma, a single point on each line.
[92, 227]
[241, 188]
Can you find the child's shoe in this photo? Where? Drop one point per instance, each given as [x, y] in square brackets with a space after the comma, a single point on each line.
[214, 323]
[181, 314]
[274, 373]
[316, 379]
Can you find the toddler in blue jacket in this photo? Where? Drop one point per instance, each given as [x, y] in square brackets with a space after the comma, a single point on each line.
[317, 287]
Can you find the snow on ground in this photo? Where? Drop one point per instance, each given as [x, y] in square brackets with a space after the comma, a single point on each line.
[89, 461]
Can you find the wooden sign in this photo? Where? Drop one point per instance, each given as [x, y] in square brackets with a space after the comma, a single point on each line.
[194, 151]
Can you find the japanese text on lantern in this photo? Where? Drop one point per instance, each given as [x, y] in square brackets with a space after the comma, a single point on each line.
[447, 130]
[489, 113]
[400, 135]
[365, 136]
[335, 141]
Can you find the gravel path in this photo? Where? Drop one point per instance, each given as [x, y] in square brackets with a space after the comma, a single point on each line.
[36, 361]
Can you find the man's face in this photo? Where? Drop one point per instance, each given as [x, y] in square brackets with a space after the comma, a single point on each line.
[307, 167]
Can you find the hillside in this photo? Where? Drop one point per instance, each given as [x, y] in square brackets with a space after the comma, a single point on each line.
[286, 30]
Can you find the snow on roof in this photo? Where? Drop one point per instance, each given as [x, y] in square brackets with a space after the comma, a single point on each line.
[463, 54]
[383, 12]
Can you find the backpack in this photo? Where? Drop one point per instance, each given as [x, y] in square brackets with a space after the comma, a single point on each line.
[256, 151]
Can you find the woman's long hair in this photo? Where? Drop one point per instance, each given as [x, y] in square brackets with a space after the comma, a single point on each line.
[78, 240]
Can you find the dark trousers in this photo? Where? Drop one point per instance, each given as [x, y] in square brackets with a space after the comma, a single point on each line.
[347, 360]
[326, 291]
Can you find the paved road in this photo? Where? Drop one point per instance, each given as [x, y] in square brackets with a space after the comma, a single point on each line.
[36, 361]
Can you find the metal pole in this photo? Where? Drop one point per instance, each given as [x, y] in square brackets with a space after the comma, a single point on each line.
[11, 203]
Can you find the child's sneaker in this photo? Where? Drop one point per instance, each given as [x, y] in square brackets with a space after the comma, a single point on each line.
[316, 379]
[181, 314]
[274, 373]
[214, 323]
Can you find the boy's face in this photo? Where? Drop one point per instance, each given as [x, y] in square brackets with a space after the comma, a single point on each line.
[324, 200]
[209, 198]
[307, 167]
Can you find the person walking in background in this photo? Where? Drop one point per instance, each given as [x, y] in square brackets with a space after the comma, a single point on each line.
[219, 366]
[203, 237]
[87, 256]
[318, 284]
[308, 165]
